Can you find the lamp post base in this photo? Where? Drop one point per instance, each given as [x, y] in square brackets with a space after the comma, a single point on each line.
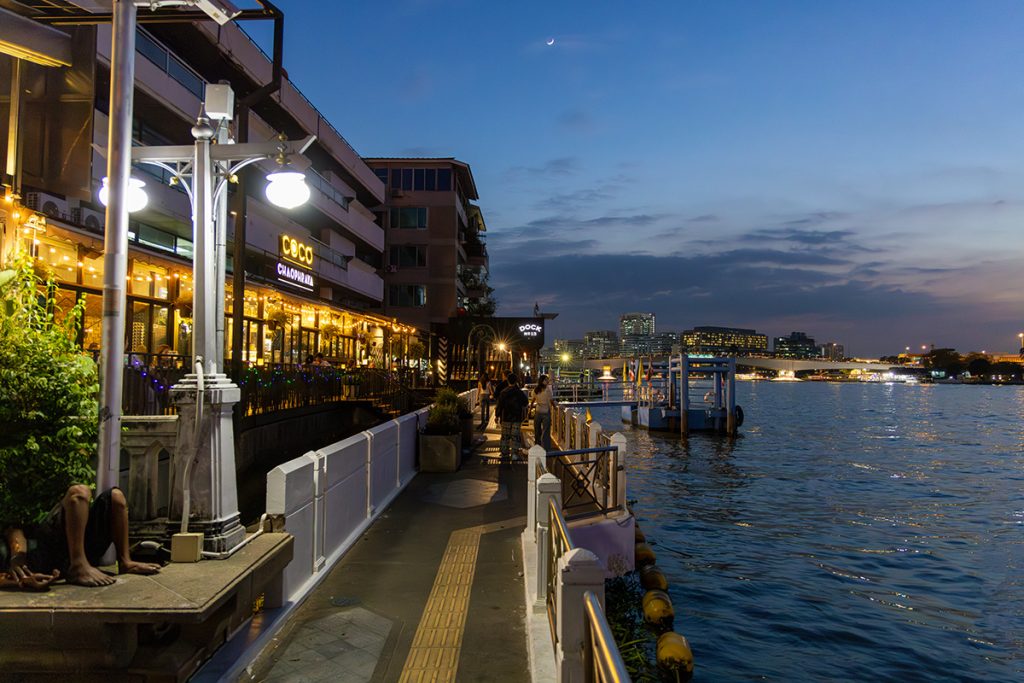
[205, 455]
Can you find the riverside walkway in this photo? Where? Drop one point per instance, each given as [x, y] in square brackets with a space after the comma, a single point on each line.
[433, 591]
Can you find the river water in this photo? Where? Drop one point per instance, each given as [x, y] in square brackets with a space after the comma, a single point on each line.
[853, 532]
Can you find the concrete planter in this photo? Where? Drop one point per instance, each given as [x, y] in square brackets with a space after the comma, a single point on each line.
[440, 453]
[467, 431]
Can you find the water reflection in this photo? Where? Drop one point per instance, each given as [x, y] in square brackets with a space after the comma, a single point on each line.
[855, 531]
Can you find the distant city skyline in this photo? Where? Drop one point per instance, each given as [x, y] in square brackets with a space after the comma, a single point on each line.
[854, 170]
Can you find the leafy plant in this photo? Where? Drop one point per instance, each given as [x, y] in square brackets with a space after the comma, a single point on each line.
[277, 318]
[184, 306]
[330, 332]
[448, 396]
[48, 394]
[443, 419]
[637, 643]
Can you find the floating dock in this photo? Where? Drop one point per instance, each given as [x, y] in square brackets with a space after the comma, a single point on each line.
[665, 400]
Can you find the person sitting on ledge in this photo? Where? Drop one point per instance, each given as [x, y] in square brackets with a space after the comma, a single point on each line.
[69, 543]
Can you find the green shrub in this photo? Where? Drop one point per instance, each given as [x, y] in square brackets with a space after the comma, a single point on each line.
[48, 398]
[443, 418]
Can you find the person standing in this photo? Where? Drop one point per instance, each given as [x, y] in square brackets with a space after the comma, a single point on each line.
[542, 399]
[511, 409]
[484, 390]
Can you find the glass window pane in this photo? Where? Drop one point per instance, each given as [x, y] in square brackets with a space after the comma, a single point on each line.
[148, 48]
[418, 179]
[431, 180]
[396, 178]
[406, 178]
[421, 217]
[444, 179]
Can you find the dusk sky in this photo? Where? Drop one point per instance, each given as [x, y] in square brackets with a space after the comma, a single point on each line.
[853, 170]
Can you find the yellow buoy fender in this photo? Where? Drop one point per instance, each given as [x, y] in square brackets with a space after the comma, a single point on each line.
[638, 535]
[644, 555]
[674, 654]
[658, 609]
[652, 578]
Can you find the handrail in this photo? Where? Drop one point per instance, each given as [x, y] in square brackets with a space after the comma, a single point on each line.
[589, 486]
[602, 660]
[559, 543]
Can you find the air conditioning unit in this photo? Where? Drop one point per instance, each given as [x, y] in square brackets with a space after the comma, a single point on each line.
[89, 218]
[46, 203]
[397, 192]
[392, 269]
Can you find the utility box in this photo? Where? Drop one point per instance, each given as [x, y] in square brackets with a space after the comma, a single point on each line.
[186, 547]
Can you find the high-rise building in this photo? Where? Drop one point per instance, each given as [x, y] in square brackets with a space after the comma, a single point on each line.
[796, 345]
[600, 344]
[832, 351]
[635, 331]
[436, 257]
[665, 343]
[725, 340]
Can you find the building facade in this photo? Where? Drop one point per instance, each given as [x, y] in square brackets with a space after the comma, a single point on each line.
[796, 345]
[600, 344]
[832, 351]
[636, 331]
[328, 301]
[437, 264]
[725, 340]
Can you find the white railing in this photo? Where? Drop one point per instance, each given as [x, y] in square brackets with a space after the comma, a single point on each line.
[569, 584]
[329, 496]
[566, 581]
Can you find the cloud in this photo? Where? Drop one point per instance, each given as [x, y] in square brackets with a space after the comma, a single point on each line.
[558, 167]
[576, 121]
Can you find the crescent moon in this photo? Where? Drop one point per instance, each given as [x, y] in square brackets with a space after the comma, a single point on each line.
[551, 41]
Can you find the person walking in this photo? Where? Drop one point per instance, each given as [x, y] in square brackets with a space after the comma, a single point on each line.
[511, 409]
[542, 399]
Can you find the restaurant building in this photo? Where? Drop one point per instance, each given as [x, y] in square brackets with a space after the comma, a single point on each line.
[313, 275]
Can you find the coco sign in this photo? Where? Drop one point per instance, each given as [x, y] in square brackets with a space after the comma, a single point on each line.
[296, 254]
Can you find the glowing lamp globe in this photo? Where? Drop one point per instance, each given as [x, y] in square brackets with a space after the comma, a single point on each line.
[136, 199]
[287, 189]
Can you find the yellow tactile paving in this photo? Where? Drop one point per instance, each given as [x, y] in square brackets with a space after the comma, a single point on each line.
[434, 655]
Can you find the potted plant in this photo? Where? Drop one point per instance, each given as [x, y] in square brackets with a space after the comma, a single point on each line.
[184, 306]
[448, 396]
[330, 332]
[277, 318]
[441, 440]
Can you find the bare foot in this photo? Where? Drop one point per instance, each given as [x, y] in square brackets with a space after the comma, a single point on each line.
[88, 575]
[133, 567]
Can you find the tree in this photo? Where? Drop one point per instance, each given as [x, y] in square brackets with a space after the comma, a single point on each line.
[941, 359]
[979, 366]
[48, 392]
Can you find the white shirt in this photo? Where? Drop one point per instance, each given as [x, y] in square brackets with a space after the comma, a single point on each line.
[543, 400]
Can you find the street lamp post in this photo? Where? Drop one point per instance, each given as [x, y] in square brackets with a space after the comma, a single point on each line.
[204, 496]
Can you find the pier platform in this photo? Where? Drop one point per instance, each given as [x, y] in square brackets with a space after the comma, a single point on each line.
[433, 590]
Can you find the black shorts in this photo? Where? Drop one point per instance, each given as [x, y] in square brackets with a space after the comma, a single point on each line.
[51, 551]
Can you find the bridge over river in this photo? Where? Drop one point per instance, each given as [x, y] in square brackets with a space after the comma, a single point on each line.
[819, 365]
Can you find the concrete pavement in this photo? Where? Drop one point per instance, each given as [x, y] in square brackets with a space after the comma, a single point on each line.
[433, 591]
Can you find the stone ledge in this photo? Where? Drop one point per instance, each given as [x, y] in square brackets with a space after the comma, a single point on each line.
[143, 628]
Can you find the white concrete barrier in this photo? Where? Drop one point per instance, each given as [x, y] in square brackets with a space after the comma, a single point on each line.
[328, 497]
[290, 492]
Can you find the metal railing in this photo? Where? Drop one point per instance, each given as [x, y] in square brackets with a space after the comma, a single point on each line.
[590, 485]
[148, 378]
[602, 660]
[559, 543]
